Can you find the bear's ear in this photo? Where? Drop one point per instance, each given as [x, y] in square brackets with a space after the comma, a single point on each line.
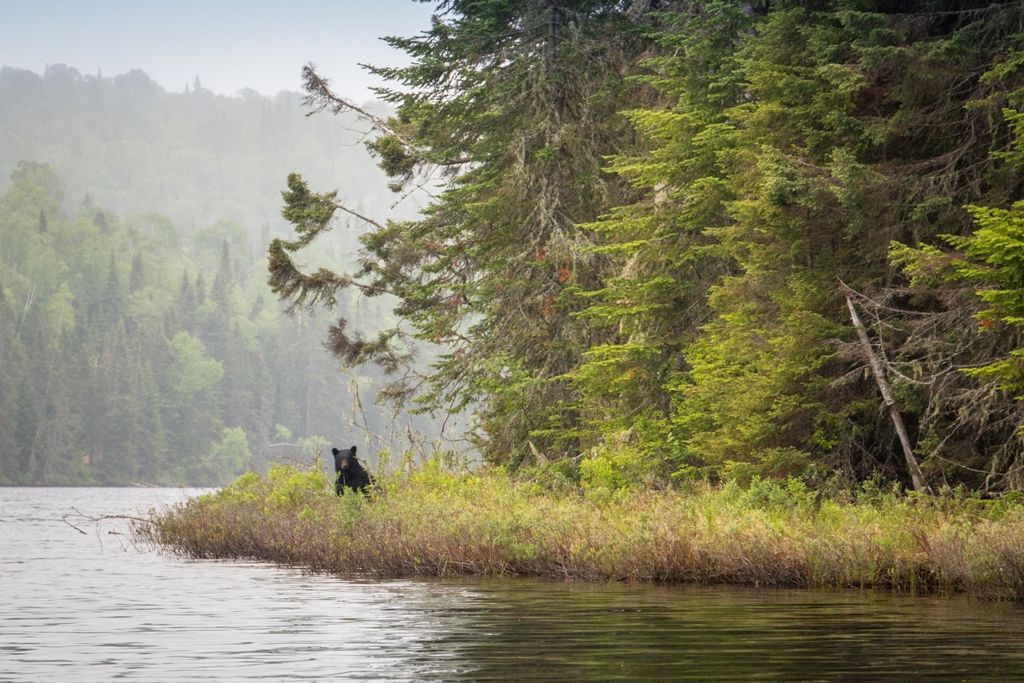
[353, 450]
[334, 451]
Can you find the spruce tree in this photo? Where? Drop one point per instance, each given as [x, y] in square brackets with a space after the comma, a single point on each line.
[137, 278]
[816, 135]
[513, 106]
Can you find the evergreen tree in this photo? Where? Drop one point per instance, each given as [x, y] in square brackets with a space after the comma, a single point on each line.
[12, 364]
[515, 106]
[111, 304]
[136, 280]
[662, 247]
[853, 124]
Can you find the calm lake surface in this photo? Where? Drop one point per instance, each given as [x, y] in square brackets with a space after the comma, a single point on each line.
[77, 607]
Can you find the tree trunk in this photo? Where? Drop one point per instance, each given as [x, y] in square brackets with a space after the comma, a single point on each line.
[894, 412]
[553, 45]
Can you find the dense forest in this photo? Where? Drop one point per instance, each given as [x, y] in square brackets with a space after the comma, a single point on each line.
[139, 342]
[711, 240]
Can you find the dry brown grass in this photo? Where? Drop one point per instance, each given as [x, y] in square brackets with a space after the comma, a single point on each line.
[435, 523]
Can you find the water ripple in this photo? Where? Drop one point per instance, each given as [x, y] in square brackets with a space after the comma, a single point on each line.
[79, 607]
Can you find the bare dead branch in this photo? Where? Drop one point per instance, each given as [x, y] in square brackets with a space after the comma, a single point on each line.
[321, 96]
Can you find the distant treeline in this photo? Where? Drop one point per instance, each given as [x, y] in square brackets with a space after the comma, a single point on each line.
[192, 156]
[136, 323]
[660, 218]
[131, 354]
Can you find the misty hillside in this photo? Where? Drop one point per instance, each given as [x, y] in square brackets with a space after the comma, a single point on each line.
[139, 342]
[193, 156]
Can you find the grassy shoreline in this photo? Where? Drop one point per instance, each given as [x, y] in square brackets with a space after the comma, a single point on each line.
[437, 523]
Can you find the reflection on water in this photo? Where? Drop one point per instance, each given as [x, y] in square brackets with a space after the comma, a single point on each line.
[83, 607]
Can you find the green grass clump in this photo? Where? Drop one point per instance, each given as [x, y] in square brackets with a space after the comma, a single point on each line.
[435, 522]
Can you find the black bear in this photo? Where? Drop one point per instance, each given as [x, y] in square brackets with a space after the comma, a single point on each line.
[349, 471]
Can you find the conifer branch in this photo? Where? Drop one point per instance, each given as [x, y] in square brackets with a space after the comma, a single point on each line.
[321, 96]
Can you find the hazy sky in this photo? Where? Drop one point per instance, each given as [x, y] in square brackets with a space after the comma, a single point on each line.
[229, 44]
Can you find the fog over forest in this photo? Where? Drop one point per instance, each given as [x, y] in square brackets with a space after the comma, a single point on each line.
[139, 342]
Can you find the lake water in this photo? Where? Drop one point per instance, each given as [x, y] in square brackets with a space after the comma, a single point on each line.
[77, 607]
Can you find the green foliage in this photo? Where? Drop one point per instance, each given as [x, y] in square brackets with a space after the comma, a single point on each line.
[607, 471]
[791, 148]
[993, 260]
[515, 106]
[291, 488]
[768, 494]
[634, 260]
[241, 490]
[979, 296]
[107, 375]
[439, 522]
[151, 219]
[230, 456]
[192, 371]
[639, 255]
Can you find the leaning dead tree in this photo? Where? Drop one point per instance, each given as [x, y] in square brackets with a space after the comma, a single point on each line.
[913, 467]
[924, 345]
